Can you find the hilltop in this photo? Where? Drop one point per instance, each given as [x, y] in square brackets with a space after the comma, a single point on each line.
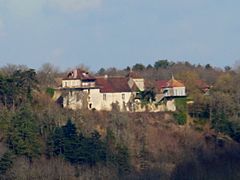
[42, 140]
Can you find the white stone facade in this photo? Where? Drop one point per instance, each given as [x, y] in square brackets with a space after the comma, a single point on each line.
[174, 91]
[94, 99]
[104, 101]
[79, 90]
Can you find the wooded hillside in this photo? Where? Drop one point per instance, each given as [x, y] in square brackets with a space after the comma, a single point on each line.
[41, 140]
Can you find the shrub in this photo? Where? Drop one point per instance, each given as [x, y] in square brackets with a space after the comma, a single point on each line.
[50, 92]
[181, 117]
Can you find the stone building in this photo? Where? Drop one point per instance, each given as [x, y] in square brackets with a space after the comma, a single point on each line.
[81, 90]
[171, 88]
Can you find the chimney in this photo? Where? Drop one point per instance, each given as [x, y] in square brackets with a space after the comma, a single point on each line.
[75, 73]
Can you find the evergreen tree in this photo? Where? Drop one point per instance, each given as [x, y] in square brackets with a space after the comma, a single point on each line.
[17, 88]
[70, 141]
[25, 82]
[23, 134]
[55, 144]
[6, 162]
[5, 121]
[97, 149]
[75, 148]
[110, 145]
[163, 64]
[82, 151]
[138, 67]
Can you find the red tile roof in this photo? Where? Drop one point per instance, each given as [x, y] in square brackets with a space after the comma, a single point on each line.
[113, 84]
[202, 84]
[79, 74]
[161, 83]
[174, 83]
[168, 83]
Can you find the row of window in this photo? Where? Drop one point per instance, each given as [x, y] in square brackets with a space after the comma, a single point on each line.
[174, 92]
[179, 92]
[84, 84]
[105, 97]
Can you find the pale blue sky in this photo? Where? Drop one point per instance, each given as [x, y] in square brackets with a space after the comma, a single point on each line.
[106, 33]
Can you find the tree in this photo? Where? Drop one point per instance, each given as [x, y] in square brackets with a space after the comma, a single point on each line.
[75, 148]
[70, 142]
[227, 68]
[181, 113]
[163, 64]
[55, 143]
[138, 67]
[101, 71]
[127, 69]
[147, 95]
[26, 82]
[82, 67]
[221, 112]
[10, 69]
[23, 134]
[149, 66]
[5, 121]
[7, 91]
[110, 141]
[97, 149]
[208, 66]
[6, 162]
[47, 75]
[224, 105]
[17, 88]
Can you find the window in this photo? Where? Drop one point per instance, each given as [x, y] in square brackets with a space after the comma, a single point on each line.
[65, 84]
[90, 106]
[123, 97]
[85, 84]
[104, 97]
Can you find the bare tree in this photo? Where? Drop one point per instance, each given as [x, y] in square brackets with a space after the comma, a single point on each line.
[9, 69]
[47, 75]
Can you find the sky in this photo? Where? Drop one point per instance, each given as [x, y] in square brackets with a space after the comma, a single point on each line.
[118, 33]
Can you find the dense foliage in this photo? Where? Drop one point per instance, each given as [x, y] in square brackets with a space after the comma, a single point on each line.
[76, 148]
[23, 134]
[181, 112]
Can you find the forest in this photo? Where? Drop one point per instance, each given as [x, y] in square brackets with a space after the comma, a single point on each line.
[41, 140]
